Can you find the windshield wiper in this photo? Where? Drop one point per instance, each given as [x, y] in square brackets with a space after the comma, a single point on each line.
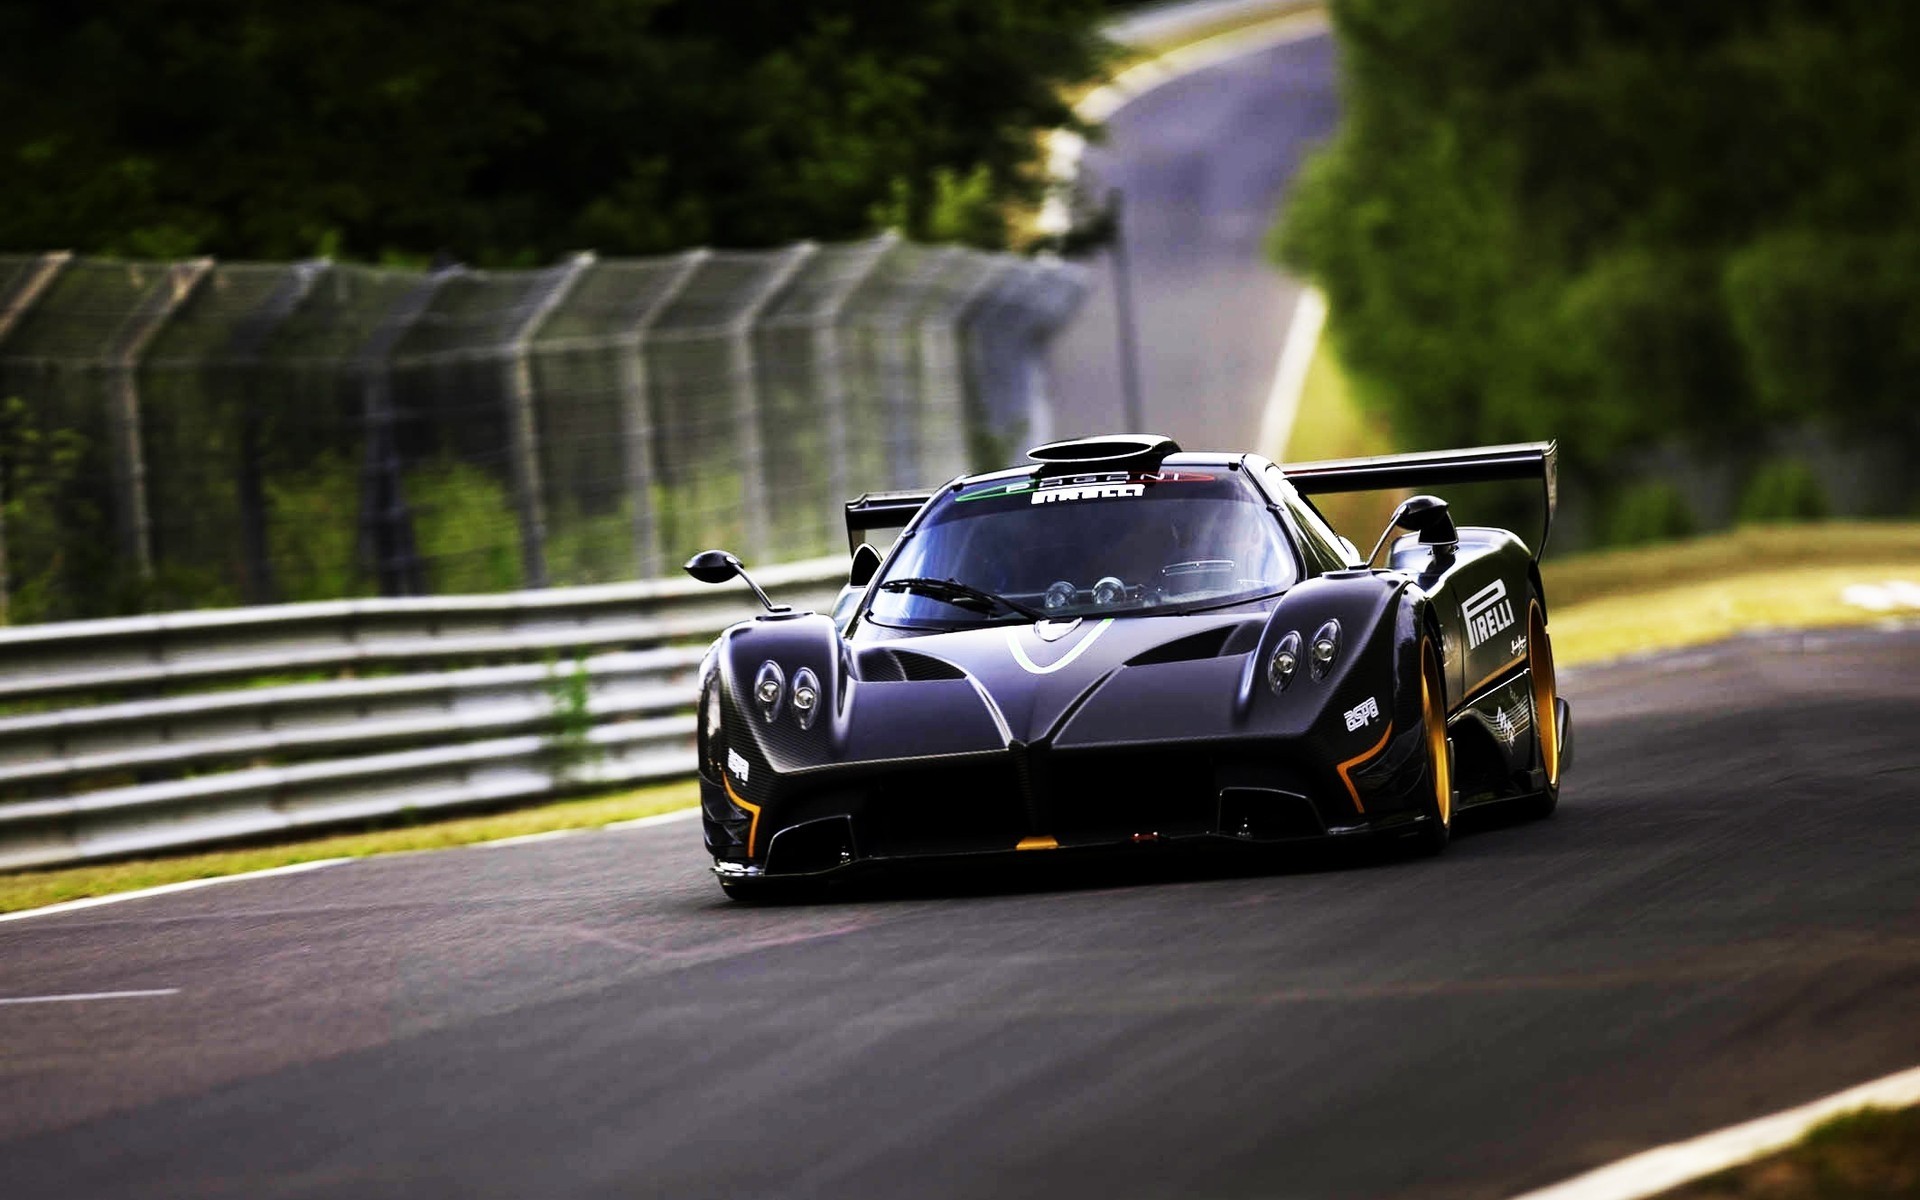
[960, 595]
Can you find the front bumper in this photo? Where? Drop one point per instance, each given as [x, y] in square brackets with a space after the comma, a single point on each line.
[1027, 799]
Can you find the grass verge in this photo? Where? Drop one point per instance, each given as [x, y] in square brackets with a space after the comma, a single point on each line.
[1872, 1154]
[32, 889]
[1614, 602]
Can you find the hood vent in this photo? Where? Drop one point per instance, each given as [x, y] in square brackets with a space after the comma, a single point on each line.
[1208, 643]
[898, 666]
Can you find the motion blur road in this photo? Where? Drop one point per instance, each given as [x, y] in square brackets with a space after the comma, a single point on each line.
[1723, 920]
[1202, 161]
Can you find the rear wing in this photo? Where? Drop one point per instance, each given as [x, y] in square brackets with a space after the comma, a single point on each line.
[881, 510]
[1438, 468]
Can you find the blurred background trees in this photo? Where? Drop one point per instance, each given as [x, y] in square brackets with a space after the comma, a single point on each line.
[1625, 223]
[503, 132]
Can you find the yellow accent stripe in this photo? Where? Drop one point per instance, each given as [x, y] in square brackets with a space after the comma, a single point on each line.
[1359, 758]
[1037, 843]
[753, 826]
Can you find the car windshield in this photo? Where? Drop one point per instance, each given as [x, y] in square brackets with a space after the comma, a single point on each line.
[1108, 544]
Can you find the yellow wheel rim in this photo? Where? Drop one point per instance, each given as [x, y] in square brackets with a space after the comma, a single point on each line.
[1436, 720]
[1540, 671]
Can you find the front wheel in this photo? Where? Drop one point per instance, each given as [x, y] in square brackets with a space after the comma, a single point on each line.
[1436, 809]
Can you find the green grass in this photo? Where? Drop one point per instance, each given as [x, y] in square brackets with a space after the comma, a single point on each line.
[31, 889]
[1872, 1154]
[1615, 602]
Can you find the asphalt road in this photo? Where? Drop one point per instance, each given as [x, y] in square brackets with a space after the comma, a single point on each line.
[1723, 920]
[1203, 163]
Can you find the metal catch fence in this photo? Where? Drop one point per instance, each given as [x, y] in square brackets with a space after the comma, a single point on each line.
[195, 434]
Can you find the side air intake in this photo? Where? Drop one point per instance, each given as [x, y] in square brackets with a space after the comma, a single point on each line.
[1107, 452]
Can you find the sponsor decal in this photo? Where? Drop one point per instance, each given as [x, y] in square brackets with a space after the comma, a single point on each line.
[1077, 487]
[1509, 726]
[737, 763]
[1487, 612]
[1362, 714]
[1098, 491]
[1517, 645]
[996, 491]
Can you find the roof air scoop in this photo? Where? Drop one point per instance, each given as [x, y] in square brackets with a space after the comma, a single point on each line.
[1107, 452]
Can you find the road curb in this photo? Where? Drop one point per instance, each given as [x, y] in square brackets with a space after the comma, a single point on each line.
[1654, 1171]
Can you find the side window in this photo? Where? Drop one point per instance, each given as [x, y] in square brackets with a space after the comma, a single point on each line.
[1318, 544]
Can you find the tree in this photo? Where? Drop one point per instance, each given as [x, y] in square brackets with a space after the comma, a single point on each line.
[504, 131]
[1622, 221]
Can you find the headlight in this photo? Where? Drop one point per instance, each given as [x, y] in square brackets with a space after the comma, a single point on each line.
[770, 690]
[1325, 648]
[1285, 661]
[806, 697]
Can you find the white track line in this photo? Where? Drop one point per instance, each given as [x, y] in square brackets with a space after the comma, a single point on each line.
[1290, 377]
[166, 889]
[1668, 1167]
[522, 839]
[78, 997]
[665, 818]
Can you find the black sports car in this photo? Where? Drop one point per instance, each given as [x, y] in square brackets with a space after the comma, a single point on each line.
[1124, 644]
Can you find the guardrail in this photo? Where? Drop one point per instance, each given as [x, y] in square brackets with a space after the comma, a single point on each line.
[149, 733]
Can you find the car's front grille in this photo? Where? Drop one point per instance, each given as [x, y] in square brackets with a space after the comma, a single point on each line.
[943, 810]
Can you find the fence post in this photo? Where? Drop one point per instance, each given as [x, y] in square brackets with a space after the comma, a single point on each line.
[522, 433]
[956, 431]
[386, 524]
[900, 381]
[38, 278]
[636, 419]
[746, 400]
[122, 361]
[829, 367]
[244, 351]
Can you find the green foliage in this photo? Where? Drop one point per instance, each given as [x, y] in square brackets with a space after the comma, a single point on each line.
[313, 522]
[959, 206]
[37, 470]
[1648, 512]
[506, 131]
[1831, 324]
[570, 694]
[1621, 221]
[464, 527]
[1784, 490]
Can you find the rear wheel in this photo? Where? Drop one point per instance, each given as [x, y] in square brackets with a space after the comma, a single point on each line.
[1436, 809]
[1546, 726]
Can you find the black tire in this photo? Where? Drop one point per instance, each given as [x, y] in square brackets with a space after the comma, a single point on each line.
[1546, 728]
[1435, 829]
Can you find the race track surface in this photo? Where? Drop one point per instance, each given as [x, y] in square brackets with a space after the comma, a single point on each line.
[1723, 920]
[1203, 162]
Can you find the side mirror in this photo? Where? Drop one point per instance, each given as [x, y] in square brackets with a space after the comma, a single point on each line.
[713, 566]
[1426, 516]
[866, 561]
[717, 566]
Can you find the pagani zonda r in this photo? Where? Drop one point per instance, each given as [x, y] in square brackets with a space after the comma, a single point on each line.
[1124, 644]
